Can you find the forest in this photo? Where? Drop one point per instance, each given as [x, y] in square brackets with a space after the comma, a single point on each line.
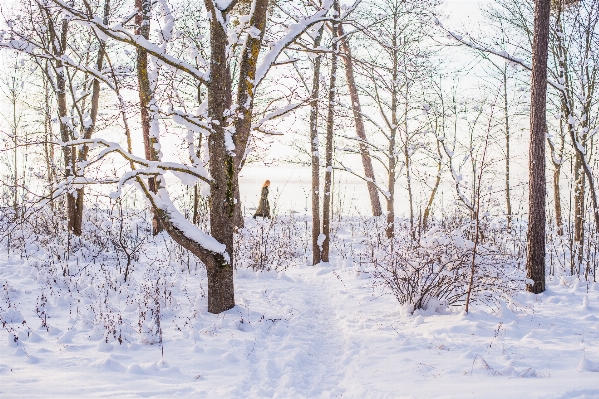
[299, 198]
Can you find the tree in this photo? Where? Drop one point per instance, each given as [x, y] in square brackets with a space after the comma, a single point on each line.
[227, 125]
[12, 87]
[572, 78]
[359, 124]
[145, 89]
[328, 171]
[314, 150]
[394, 66]
[535, 255]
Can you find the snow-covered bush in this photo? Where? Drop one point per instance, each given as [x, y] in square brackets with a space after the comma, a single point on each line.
[437, 269]
[106, 278]
[271, 244]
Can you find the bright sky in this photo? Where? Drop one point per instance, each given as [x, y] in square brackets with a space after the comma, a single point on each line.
[461, 15]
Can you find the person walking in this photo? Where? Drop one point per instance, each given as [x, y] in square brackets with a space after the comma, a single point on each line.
[263, 206]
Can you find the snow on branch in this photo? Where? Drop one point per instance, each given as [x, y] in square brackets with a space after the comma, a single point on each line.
[119, 33]
[382, 190]
[152, 167]
[277, 113]
[162, 201]
[189, 121]
[578, 147]
[365, 142]
[30, 48]
[500, 53]
[295, 30]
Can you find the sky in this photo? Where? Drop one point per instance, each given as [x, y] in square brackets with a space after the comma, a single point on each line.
[291, 184]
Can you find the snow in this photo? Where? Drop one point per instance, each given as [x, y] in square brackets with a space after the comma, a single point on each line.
[223, 4]
[321, 238]
[163, 201]
[304, 331]
[295, 30]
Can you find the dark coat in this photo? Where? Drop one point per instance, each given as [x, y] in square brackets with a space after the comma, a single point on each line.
[263, 206]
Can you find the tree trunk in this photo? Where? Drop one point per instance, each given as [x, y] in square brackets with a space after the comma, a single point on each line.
[246, 92]
[431, 199]
[89, 130]
[556, 159]
[390, 230]
[535, 255]
[326, 206]
[315, 152]
[15, 135]
[65, 135]
[142, 23]
[221, 295]
[557, 202]
[48, 139]
[408, 164]
[579, 207]
[358, 121]
[508, 200]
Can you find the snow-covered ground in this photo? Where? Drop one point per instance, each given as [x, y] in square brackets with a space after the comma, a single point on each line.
[314, 332]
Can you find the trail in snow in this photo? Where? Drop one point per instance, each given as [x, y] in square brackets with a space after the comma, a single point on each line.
[298, 355]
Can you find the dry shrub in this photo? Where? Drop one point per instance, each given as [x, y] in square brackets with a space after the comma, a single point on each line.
[435, 270]
[270, 244]
[438, 268]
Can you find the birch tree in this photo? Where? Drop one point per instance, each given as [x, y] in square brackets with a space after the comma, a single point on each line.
[328, 171]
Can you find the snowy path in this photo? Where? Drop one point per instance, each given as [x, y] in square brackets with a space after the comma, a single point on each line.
[299, 355]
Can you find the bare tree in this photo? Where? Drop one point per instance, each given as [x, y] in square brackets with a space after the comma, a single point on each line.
[89, 124]
[535, 256]
[393, 68]
[12, 88]
[228, 125]
[359, 123]
[142, 28]
[572, 80]
[328, 172]
[314, 150]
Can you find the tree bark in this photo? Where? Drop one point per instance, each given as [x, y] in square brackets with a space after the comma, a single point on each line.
[579, 207]
[48, 139]
[246, 92]
[390, 230]
[557, 167]
[142, 23]
[326, 206]
[408, 165]
[13, 97]
[221, 295]
[431, 199]
[535, 256]
[59, 43]
[557, 202]
[88, 131]
[508, 200]
[315, 152]
[359, 122]
[392, 163]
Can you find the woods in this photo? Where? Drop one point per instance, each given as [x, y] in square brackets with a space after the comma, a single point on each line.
[449, 166]
[397, 70]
